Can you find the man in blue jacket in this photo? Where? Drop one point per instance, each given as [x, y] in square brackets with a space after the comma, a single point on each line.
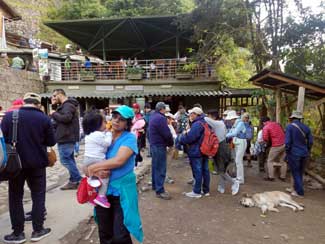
[160, 137]
[199, 162]
[298, 143]
[34, 134]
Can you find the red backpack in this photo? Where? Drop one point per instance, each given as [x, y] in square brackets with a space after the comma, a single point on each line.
[210, 142]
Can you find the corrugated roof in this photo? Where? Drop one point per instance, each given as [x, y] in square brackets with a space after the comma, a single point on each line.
[196, 93]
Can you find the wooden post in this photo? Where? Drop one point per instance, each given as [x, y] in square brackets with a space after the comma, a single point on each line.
[301, 99]
[278, 105]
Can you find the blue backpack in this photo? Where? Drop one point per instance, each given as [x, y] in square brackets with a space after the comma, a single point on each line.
[3, 152]
[249, 131]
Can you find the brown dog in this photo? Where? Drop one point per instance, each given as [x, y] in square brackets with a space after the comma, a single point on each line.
[268, 201]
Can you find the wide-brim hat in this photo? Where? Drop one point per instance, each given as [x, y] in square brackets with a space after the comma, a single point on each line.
[296, 114]
[125, 111]
[232, 115]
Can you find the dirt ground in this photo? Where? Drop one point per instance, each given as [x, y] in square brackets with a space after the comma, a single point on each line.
[219, 218]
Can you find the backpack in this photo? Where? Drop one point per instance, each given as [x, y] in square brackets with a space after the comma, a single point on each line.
[210, 142]
[249, 131]
[3, 152]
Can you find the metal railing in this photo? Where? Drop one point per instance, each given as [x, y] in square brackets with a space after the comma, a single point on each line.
[153, 69]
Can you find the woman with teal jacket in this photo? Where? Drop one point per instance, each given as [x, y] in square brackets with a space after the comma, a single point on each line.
[115, 224]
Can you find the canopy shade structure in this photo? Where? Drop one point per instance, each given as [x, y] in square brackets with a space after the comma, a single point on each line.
[287, 83]
[141, 37]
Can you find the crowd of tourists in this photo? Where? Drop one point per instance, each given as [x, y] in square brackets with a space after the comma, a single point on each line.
[114, 146]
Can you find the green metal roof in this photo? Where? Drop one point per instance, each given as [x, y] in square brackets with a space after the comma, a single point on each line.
[142, 37]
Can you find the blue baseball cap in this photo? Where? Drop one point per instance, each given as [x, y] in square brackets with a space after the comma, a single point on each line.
[125, 111]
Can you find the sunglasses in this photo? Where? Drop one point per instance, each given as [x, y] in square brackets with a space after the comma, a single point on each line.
[118, 117]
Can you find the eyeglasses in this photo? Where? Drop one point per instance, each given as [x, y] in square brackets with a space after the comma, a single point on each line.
[118, 117]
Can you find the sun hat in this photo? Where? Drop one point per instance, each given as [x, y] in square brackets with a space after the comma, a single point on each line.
[32, 95]
[296, 114]
[125, 111]
[196, 110]
[232, 114]
[225, 112]
[160, 106]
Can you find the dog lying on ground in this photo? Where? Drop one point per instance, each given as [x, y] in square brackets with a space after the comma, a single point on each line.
[268, 201]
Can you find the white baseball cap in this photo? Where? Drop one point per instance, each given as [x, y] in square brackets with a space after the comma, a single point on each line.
[196, 110]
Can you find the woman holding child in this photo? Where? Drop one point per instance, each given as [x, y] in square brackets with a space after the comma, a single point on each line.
[122, 217]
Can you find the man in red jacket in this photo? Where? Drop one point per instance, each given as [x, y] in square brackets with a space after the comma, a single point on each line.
[274, 135]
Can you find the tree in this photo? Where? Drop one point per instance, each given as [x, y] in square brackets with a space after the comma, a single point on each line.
[82, 9]
[78, 9]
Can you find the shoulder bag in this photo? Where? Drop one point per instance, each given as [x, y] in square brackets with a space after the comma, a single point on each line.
[13, 166]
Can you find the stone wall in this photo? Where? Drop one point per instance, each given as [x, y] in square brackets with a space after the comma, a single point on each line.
[15, 83]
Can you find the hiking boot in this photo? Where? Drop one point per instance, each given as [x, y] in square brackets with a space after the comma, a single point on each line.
[193, 195]
[12, 238]
[39, 235]
[164, 195]
[102, 201]
[70, 186]
[235, 187]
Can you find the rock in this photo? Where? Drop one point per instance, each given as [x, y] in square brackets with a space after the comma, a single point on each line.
[301, 237]
[284, 237]
[177, 232]
[145, 188]
[266, 237]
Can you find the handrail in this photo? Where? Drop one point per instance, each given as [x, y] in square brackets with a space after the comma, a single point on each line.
[116, 70]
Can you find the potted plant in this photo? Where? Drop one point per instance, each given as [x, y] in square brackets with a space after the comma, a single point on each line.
[134, 73]
[185, 71]
[87, 75]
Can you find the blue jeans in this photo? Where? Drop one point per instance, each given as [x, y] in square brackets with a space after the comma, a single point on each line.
[76, 147]
[297, 165]
[158, 168]
[200, 170]
[66, 151]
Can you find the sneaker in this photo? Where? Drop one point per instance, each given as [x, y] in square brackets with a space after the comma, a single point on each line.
[295, 194]
[28, 216]
[164, 195]
[169, 180]
[206, 194]
[101, 200]
[193, 195]
[235, 188]
[289, 190]
[214, 172]
[221, 189]
[12, 238]
[268, 179]
[70, 186]
[190, 181]
[39, 235]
